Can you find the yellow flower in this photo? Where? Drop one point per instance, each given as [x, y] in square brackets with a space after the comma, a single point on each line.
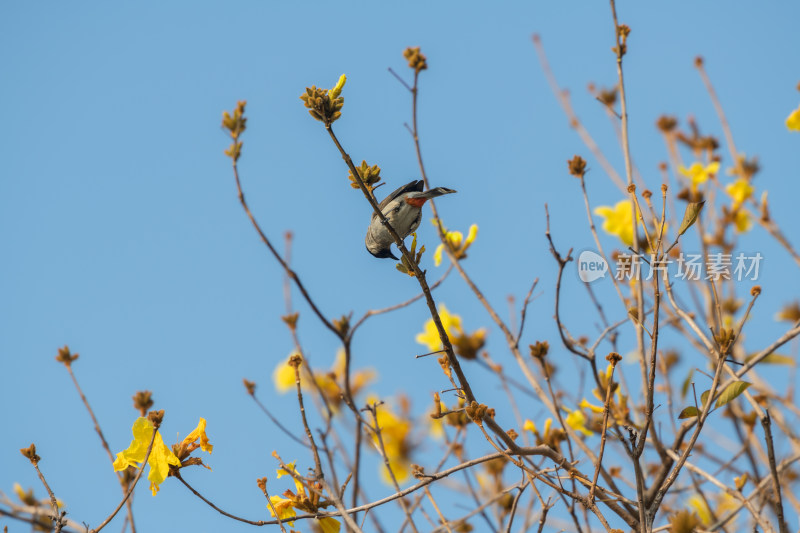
[283, 507]
[160, 457]
[457, 243]
[337, 90]
[586, 405]
[742, 221]
[699, 173]
[529, 426]
[577, 421]
[618, 220]
[740, 190]
[283, 376]
[430, 335]
[395, 433]
[701, 508]
[331, 383]
[329, 525]
[793, 120]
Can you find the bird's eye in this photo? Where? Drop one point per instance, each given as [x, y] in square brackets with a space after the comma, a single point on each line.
[396, 209]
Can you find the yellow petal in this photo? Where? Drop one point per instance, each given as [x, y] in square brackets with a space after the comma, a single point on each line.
[283, 376]
[740, 191]
[329, 525]
[473, 232]
[699, 505]
[586, 405]
[529, 426]
[577, 421]
[283, 507]
[160, 457]
[437, 255]
[337, 89]
[199, 433]
[742, 221]
[793, 120]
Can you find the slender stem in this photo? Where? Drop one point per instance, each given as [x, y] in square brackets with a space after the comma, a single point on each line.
[766, 423]
[132, 485]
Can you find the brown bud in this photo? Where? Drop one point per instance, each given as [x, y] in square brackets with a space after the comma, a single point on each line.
[577, 166]
[666, 123]
[250, 386]
[295, 360]
[64, 356]
[291, 320]
[143, 401]
[613, 358]
[632, 188]
[755, 291]
[262, 484]
[30, 453]
[513, 434]
[646, 194]
[698, 61]
[156, 417]
[540, 349]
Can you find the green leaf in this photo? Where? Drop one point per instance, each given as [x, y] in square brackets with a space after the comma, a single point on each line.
[732, 391]
[689, 412]
[690, 216]
[687, 383]
[773, 359]
[704, 397]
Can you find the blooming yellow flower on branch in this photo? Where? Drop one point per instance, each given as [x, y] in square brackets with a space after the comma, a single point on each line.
[430, 335]
[742, 221]
[740, 190]
[307, 502]
[618, 220]
[698, 173]
[283, 376]
[793, 120]
[457, 243]
[577, 421]
[160, 457]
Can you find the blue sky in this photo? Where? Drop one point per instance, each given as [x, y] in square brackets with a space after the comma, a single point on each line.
[123, 237]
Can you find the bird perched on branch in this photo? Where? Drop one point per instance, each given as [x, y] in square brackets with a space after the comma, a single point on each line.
[403, 211]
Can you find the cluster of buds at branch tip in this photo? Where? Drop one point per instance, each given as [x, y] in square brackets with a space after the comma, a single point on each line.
[30, 453]
[613, 358]
[725, 339]
[156, 417]
[295, 360]
[370, 175]
[416, 60]
[577, 166]
[623, 30]
[477, 412]
[250, 386]
[262, 484]
[404, 265]
[325, 104]
[342, 325]
[65, 356]
[143, 401]
[540, 349]
[235, 123]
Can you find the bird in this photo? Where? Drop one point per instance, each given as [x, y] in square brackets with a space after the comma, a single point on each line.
[403, 211]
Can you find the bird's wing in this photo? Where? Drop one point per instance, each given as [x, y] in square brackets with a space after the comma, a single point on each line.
[414, 186]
